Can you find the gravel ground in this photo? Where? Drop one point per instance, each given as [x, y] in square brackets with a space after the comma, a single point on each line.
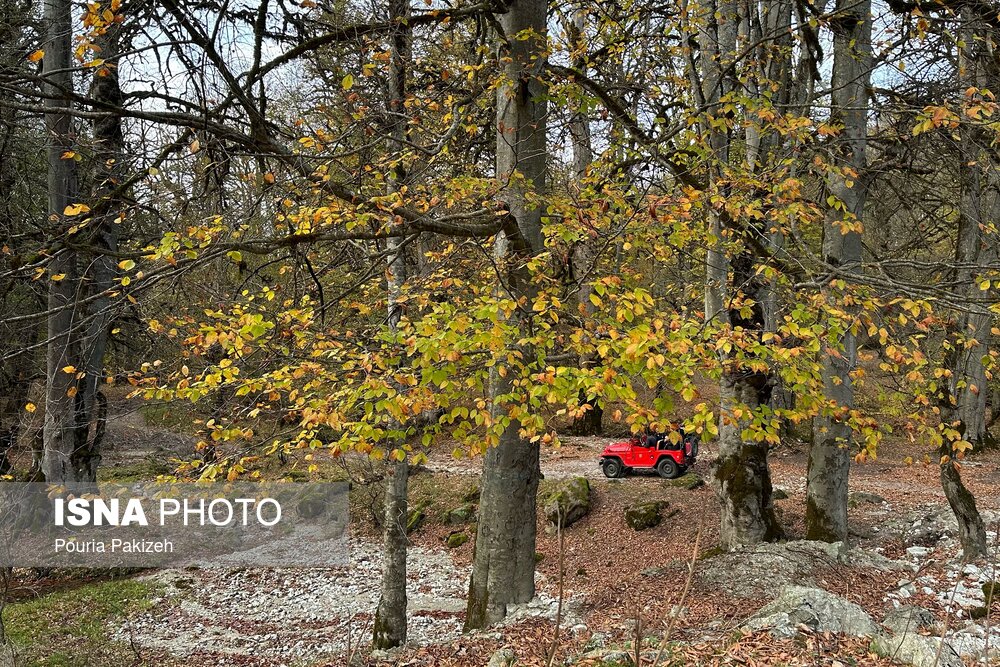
[273, 617]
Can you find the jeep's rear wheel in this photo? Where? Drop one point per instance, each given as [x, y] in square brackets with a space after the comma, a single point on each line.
[668, 468]
[613, 468]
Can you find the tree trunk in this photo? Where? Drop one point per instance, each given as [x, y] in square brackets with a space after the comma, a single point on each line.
[830, 453]
[503, 571]
[740, 475]
[964, 397]
[390, 616]
[61, 460]
[582, 254]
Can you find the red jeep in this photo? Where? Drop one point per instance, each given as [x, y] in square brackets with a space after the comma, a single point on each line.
[651, 451]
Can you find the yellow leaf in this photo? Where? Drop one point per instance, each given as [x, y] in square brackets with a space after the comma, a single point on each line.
[195, 146]
[348, 82]
[68, 155]
[30, 407]
[69, 369]
[76, 209]
[108, 15]
[37, 55]
[126, 265]
[57, 277]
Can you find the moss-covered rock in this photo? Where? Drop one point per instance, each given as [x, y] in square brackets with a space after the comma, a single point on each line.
[414, 519]
[779, 494]
[991, 591]
[457, 539]
[472, 495]
[688, 482]
[977, 613]
[461, 514]
[644, 515]
[568, 502]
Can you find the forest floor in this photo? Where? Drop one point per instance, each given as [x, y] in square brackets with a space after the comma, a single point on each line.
[619, 589]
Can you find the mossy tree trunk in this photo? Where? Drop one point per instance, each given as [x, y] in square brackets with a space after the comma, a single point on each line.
[503, 570]
[740, 474]
[830, 454]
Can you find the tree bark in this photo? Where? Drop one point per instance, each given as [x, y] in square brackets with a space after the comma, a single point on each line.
[61, 458]
[739, 475]
[964, 402]
[830, 453]
[583, 254]
[390, 616]
[503, 571]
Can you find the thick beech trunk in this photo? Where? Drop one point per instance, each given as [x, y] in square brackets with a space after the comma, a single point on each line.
[390, 616]
[740, 475]
[503, 571]
[830, 453]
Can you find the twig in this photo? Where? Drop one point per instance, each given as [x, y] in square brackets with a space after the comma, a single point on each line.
[562, 576]
[687, 588]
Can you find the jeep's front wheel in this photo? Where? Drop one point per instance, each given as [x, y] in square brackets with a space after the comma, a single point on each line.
[613, 468]
[667, 468]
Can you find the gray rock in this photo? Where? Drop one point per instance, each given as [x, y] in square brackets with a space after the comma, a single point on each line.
[505, 657]
[762, 570]
[861, 498]
[815, 608]
[916, 650]
[908, 619]
[617, 659]
[568, 503]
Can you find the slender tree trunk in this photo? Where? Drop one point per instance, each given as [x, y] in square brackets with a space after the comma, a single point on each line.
[583, 254]
[830, 453]
[61, 423]
[965, 397]
[390, 616]
[503, 571]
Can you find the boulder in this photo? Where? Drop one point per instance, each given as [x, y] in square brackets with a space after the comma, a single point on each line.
[414, 519]
[457, 539]
[861, 498]
[644, 515]
[814, 608]
[688, 482]
[568, 502]
[917, 650]
[505, 657]
[909, 618]
[461, 514]
[779, 494]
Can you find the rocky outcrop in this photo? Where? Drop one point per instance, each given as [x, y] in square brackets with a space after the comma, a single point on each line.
[917, 650]
[814, 608]
[762, 570]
